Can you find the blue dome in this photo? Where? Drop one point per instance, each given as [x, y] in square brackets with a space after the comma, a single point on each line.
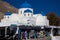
[8, 13]
[27, 11]
[25, 5]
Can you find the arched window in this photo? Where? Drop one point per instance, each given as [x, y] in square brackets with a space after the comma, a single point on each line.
[31, 14]
[24, 14]
[28, 14]
[8, 17]
[21, 12]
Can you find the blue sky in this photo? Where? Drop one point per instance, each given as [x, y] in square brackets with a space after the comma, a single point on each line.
[44, 6]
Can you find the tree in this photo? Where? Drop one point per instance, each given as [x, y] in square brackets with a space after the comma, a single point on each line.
[53, 19]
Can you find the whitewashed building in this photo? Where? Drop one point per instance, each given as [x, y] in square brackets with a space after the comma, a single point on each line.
[25, 16]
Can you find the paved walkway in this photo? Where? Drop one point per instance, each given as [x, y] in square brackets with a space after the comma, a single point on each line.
[40, 39]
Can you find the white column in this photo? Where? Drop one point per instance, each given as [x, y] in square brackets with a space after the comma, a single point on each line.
[6, 30]
[52, 38]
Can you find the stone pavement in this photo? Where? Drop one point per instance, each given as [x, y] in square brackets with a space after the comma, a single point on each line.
[46, 38]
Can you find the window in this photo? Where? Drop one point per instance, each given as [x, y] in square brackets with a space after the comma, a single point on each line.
[56, 32]
[31, 14]
[8, 16]
[28, 14]
[21, 12]
[27, 23]
[24, 14]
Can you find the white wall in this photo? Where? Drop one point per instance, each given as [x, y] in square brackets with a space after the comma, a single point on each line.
[19, 18]
[41, 20]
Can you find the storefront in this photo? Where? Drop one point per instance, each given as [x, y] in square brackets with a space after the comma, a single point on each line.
[34, 32]
[28, 32]
[2, 32]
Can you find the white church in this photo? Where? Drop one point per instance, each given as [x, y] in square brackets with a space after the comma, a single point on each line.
[25, 16]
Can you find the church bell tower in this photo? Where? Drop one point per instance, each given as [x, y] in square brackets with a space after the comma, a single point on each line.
[25, 10]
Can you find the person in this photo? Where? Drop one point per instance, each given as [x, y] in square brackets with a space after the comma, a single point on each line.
[18, 32]
[25, 34]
